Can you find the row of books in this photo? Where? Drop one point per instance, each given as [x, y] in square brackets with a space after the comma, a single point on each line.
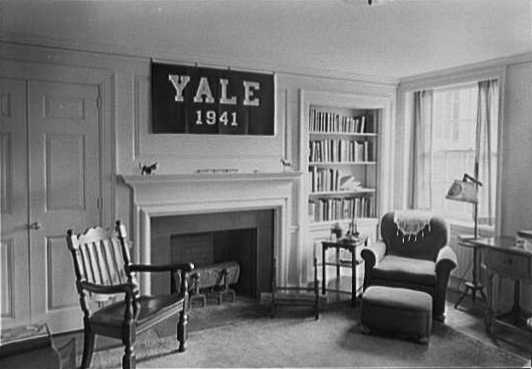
[331, 179]
[340, 150]
[324, 179]
[326, 121]
[322, 210]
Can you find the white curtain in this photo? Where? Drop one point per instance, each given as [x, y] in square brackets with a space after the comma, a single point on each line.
[421, 170]
[486, 148]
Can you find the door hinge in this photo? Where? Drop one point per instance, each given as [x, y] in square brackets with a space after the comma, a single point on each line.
[99, 102]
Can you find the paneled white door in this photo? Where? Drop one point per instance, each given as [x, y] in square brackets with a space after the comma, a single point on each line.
[64, 191]
[14, 247]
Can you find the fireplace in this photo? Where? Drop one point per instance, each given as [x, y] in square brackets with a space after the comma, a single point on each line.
[196, 197]
[204, 239]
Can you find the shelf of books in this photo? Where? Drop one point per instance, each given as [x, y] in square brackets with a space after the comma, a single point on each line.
[342, 164]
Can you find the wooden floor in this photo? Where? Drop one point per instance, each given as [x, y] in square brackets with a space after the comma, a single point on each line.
[468, 319]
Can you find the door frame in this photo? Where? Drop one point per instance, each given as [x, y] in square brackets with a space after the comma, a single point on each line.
[16, 245]
[104, 81]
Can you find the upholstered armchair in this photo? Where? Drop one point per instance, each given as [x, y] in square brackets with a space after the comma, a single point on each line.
[413, 254]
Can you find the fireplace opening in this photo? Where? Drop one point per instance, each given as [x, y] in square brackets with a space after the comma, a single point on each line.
[210, 248]
[244, 237]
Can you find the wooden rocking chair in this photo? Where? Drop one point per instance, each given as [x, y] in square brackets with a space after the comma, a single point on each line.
[102, 266]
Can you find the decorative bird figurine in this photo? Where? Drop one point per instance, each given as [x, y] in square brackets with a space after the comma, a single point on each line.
[285, 162]
[148, 169]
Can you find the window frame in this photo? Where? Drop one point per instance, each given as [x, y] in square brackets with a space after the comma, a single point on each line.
[451, 78]
[465, 217]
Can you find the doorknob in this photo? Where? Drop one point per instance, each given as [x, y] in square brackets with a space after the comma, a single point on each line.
[34, 225]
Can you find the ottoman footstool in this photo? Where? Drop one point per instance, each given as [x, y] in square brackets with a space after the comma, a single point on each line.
[394, 310]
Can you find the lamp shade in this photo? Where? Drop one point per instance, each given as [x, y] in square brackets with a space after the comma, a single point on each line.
[463, 190]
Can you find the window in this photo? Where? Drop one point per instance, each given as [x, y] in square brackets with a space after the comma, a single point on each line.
[462, 128]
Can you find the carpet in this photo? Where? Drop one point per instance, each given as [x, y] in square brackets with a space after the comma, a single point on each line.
[299, 341]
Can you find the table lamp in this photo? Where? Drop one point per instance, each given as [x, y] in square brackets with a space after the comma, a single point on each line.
[352, 233]
[466, 190]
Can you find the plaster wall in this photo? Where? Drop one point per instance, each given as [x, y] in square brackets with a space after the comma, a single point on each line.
[516, 204]
[132, 144]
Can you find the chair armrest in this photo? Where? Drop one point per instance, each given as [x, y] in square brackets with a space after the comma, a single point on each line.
[178, 274]
[186, 267]
[108, 290]
[373, 254]
[446, 260]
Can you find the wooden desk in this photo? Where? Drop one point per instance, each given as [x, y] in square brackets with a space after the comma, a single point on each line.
[338, 245]
[503, 258]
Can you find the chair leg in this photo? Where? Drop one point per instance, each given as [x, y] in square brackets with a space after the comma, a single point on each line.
[182, 330]
[88, 347]
[129, 360]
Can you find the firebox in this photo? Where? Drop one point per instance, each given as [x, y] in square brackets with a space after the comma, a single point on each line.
[244, 237]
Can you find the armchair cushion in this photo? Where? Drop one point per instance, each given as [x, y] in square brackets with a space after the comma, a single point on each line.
[113, 314]
[425, 247]
[402, 269]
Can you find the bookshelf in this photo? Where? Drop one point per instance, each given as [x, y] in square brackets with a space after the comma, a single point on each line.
[342, 163]
[345, 148]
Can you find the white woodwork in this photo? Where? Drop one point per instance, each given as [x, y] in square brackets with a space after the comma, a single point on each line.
[34, 63]
[65, 174]
[64, 107]
[61, 292]
[161, 195]
[14, 233]
[6, 196]
[333, 99]
[123, 84]
[7, 265]
[5, 104]
[64, 125]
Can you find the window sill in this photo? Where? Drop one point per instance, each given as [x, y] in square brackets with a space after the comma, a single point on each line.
[484, 230]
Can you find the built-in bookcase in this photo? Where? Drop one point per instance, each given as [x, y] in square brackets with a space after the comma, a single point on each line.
[342, 163]
[344, 152]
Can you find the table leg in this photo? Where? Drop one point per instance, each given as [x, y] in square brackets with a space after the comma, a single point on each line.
[323, 266]
[337, 269]
[353, 276]
[516, 309]
[475, 264]
[489, 309]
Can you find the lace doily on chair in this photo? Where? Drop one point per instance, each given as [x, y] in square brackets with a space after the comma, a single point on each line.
[412, 224]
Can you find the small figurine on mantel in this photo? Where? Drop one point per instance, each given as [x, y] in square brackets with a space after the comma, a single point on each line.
[286, 163]
[148, 169]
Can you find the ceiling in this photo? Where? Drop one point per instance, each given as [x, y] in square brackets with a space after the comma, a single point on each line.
[396, 39]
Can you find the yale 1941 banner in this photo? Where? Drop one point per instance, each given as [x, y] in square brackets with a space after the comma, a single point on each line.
[189, 99]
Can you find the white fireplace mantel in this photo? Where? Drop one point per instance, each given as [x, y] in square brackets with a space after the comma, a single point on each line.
[136, 180]
[182, 194]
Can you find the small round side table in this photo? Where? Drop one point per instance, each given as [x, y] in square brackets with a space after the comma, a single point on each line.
[473, 285]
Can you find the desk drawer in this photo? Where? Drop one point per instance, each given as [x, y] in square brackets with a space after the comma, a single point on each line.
[513, 265]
